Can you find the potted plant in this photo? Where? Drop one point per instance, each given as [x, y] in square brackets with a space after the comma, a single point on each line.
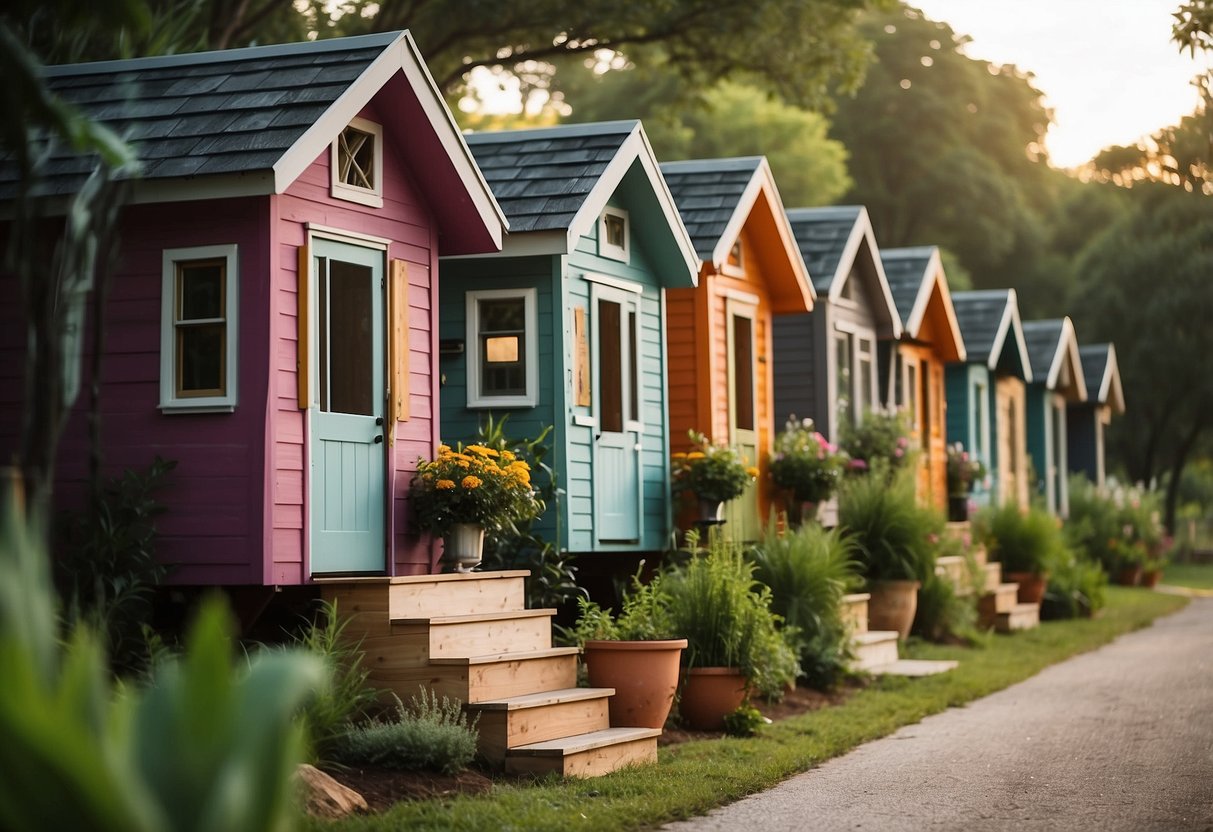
[714, 474]
[963, 473]
[806, 467]
[894, 538]
[881, 440]
[734, 644]
[636, 654]
[466, 493]
[1026, 543]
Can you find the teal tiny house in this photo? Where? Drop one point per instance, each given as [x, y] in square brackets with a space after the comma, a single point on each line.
[1086, 421]
[566, 327]
[986, 392]
[1057, 381]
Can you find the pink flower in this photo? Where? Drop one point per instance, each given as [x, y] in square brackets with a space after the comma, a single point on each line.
[857, 465]
[898, 452]
[902, 442]
[932, 538]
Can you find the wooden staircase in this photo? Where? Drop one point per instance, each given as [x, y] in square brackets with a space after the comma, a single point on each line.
[998, 601]
[876, 651]
[470, 637]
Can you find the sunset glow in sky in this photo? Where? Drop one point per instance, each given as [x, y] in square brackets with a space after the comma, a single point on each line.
[1107, 67]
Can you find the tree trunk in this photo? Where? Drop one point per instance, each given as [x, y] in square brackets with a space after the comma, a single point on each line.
[1178, 463]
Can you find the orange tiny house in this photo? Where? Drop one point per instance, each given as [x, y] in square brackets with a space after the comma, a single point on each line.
[719, 333]
[930, 339]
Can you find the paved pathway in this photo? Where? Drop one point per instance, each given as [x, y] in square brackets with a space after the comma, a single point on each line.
[1117, 739]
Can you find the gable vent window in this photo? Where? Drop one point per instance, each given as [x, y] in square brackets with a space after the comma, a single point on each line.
[614, 234]
[357, 164]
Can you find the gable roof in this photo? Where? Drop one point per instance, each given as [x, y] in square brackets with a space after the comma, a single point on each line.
[249, 121]
[914, 276]
[830, 239]
[1051, 344]
[553, 183]
[989, 323]
[1099, 367]
[717, 197]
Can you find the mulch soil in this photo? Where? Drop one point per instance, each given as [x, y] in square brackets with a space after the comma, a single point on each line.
[382, 787]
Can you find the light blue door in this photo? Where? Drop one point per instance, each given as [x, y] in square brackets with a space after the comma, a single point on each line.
[617, 487]
[348, 461]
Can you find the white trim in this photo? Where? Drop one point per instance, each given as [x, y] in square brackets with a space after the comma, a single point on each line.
[738, 295]
[584, 421]
[372, 196]
[614, 282]
[340, 235]
[1067, 347]
[860, 233]
[1111, 384]
[475, 397]
[609, 250]
[169, 401]
[739, 308]
[932, 277]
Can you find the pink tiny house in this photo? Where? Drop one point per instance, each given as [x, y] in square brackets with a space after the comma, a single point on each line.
[271, 325]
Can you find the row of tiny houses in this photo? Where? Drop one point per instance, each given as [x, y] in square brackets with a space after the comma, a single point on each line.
[282, 325]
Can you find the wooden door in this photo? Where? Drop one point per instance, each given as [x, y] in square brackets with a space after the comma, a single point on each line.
[742, 513]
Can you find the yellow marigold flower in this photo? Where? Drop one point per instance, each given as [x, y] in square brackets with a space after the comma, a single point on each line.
[507, 456]
[463, 463]
[470, 482]
[695, 455]
[475, 449]
[679, 455]
[443, 448]
[444, 485]
[519, 465]
[752, 471]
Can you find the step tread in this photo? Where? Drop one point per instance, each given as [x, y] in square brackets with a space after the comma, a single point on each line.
[914, 668]
[521, 655]
[500, 615]
[946, 559]
[1005, 586]
[442, 577]
[579, 743]
[856, 597]
[874, 636]
[1023, 608]
[538, 700]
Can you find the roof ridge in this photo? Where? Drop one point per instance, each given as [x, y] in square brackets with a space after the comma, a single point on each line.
[713, 165]
[381, 39]
[906, 252]
[589, 128]
[824, 212]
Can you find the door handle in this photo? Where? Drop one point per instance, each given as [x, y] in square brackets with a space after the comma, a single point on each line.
[378, 421]
[378, 439]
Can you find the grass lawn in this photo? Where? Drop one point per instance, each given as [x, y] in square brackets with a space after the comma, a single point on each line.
[1194, 575]
[694, 777]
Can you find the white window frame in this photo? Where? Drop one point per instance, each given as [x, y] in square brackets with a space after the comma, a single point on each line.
[352, 193]
[605, 249]
[170, 402]
[475, 396]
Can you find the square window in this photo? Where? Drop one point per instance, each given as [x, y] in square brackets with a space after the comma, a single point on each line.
[502, 369]
[614, 234]
[357, 163]
[198, 329]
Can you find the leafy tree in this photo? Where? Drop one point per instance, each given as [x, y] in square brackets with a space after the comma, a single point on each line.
[1193, 28]
[1144, 283]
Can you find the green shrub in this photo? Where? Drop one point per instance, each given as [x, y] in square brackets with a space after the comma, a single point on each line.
[645, 616]
[805, 464]
[1022, 541]
[746, 721]
[942, 615]
[894, 537]
[808, 572]
[725, 616]
[1076, 588]
[880, 441]
[427, 735]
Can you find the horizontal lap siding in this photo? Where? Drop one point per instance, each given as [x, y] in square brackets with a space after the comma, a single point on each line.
[798, 386]
[406, 221]
[685, 366]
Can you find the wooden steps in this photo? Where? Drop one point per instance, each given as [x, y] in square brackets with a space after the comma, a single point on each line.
[855, 611]
[1021, 617]
[470, 637]
[874, 648]
[953, 568]
[1002, 599]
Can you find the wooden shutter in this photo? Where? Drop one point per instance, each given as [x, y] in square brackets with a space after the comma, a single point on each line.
[398, 348]
[303, 371]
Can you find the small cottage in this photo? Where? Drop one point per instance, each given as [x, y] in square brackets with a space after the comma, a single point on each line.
[825, 360]
[987, 394]
[565, 326]
[1086, 421]
[719, 333]
[915, 364]
[271, 323]
[1057, 382]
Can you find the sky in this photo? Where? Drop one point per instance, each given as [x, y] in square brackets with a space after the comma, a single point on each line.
[1107, 67]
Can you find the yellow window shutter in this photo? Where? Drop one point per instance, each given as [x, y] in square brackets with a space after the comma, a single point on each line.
[399, 346]
[302, 369]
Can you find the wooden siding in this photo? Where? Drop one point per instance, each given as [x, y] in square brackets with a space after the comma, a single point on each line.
[1010, 455]
[406, 221]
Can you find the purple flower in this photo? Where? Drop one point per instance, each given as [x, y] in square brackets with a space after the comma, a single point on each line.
[857, 465]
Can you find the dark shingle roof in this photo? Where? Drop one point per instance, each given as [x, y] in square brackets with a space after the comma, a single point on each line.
[906, 268]
[822, 234]
[1094, 360]
[235, 111]
[979, 315]
[1042, 339]
[542, 177]
[707, 193]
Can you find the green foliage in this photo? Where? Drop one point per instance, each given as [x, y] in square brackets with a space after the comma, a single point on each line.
[882, 438]
[108, 572]
[711, 472]
[1077, 588]
[473, 484]
[329, 715]
[808, 571]
[645, 616]
[206, 746]
[726, 617]
[942, 615]
[1117, 526]
[1022, 541]
[746, 721]
[894, 537]
[427, 735]
[963, 471]
[805, 463]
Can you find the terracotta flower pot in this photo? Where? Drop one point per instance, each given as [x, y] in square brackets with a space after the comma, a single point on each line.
[1129, 576]
[709, 694]
[1151, 577]
[892, 606]
[1031, 586]
[644, 675]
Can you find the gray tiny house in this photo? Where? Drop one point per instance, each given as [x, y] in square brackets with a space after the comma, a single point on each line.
[1057, 381]
[826, 360]
[1087, 420]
